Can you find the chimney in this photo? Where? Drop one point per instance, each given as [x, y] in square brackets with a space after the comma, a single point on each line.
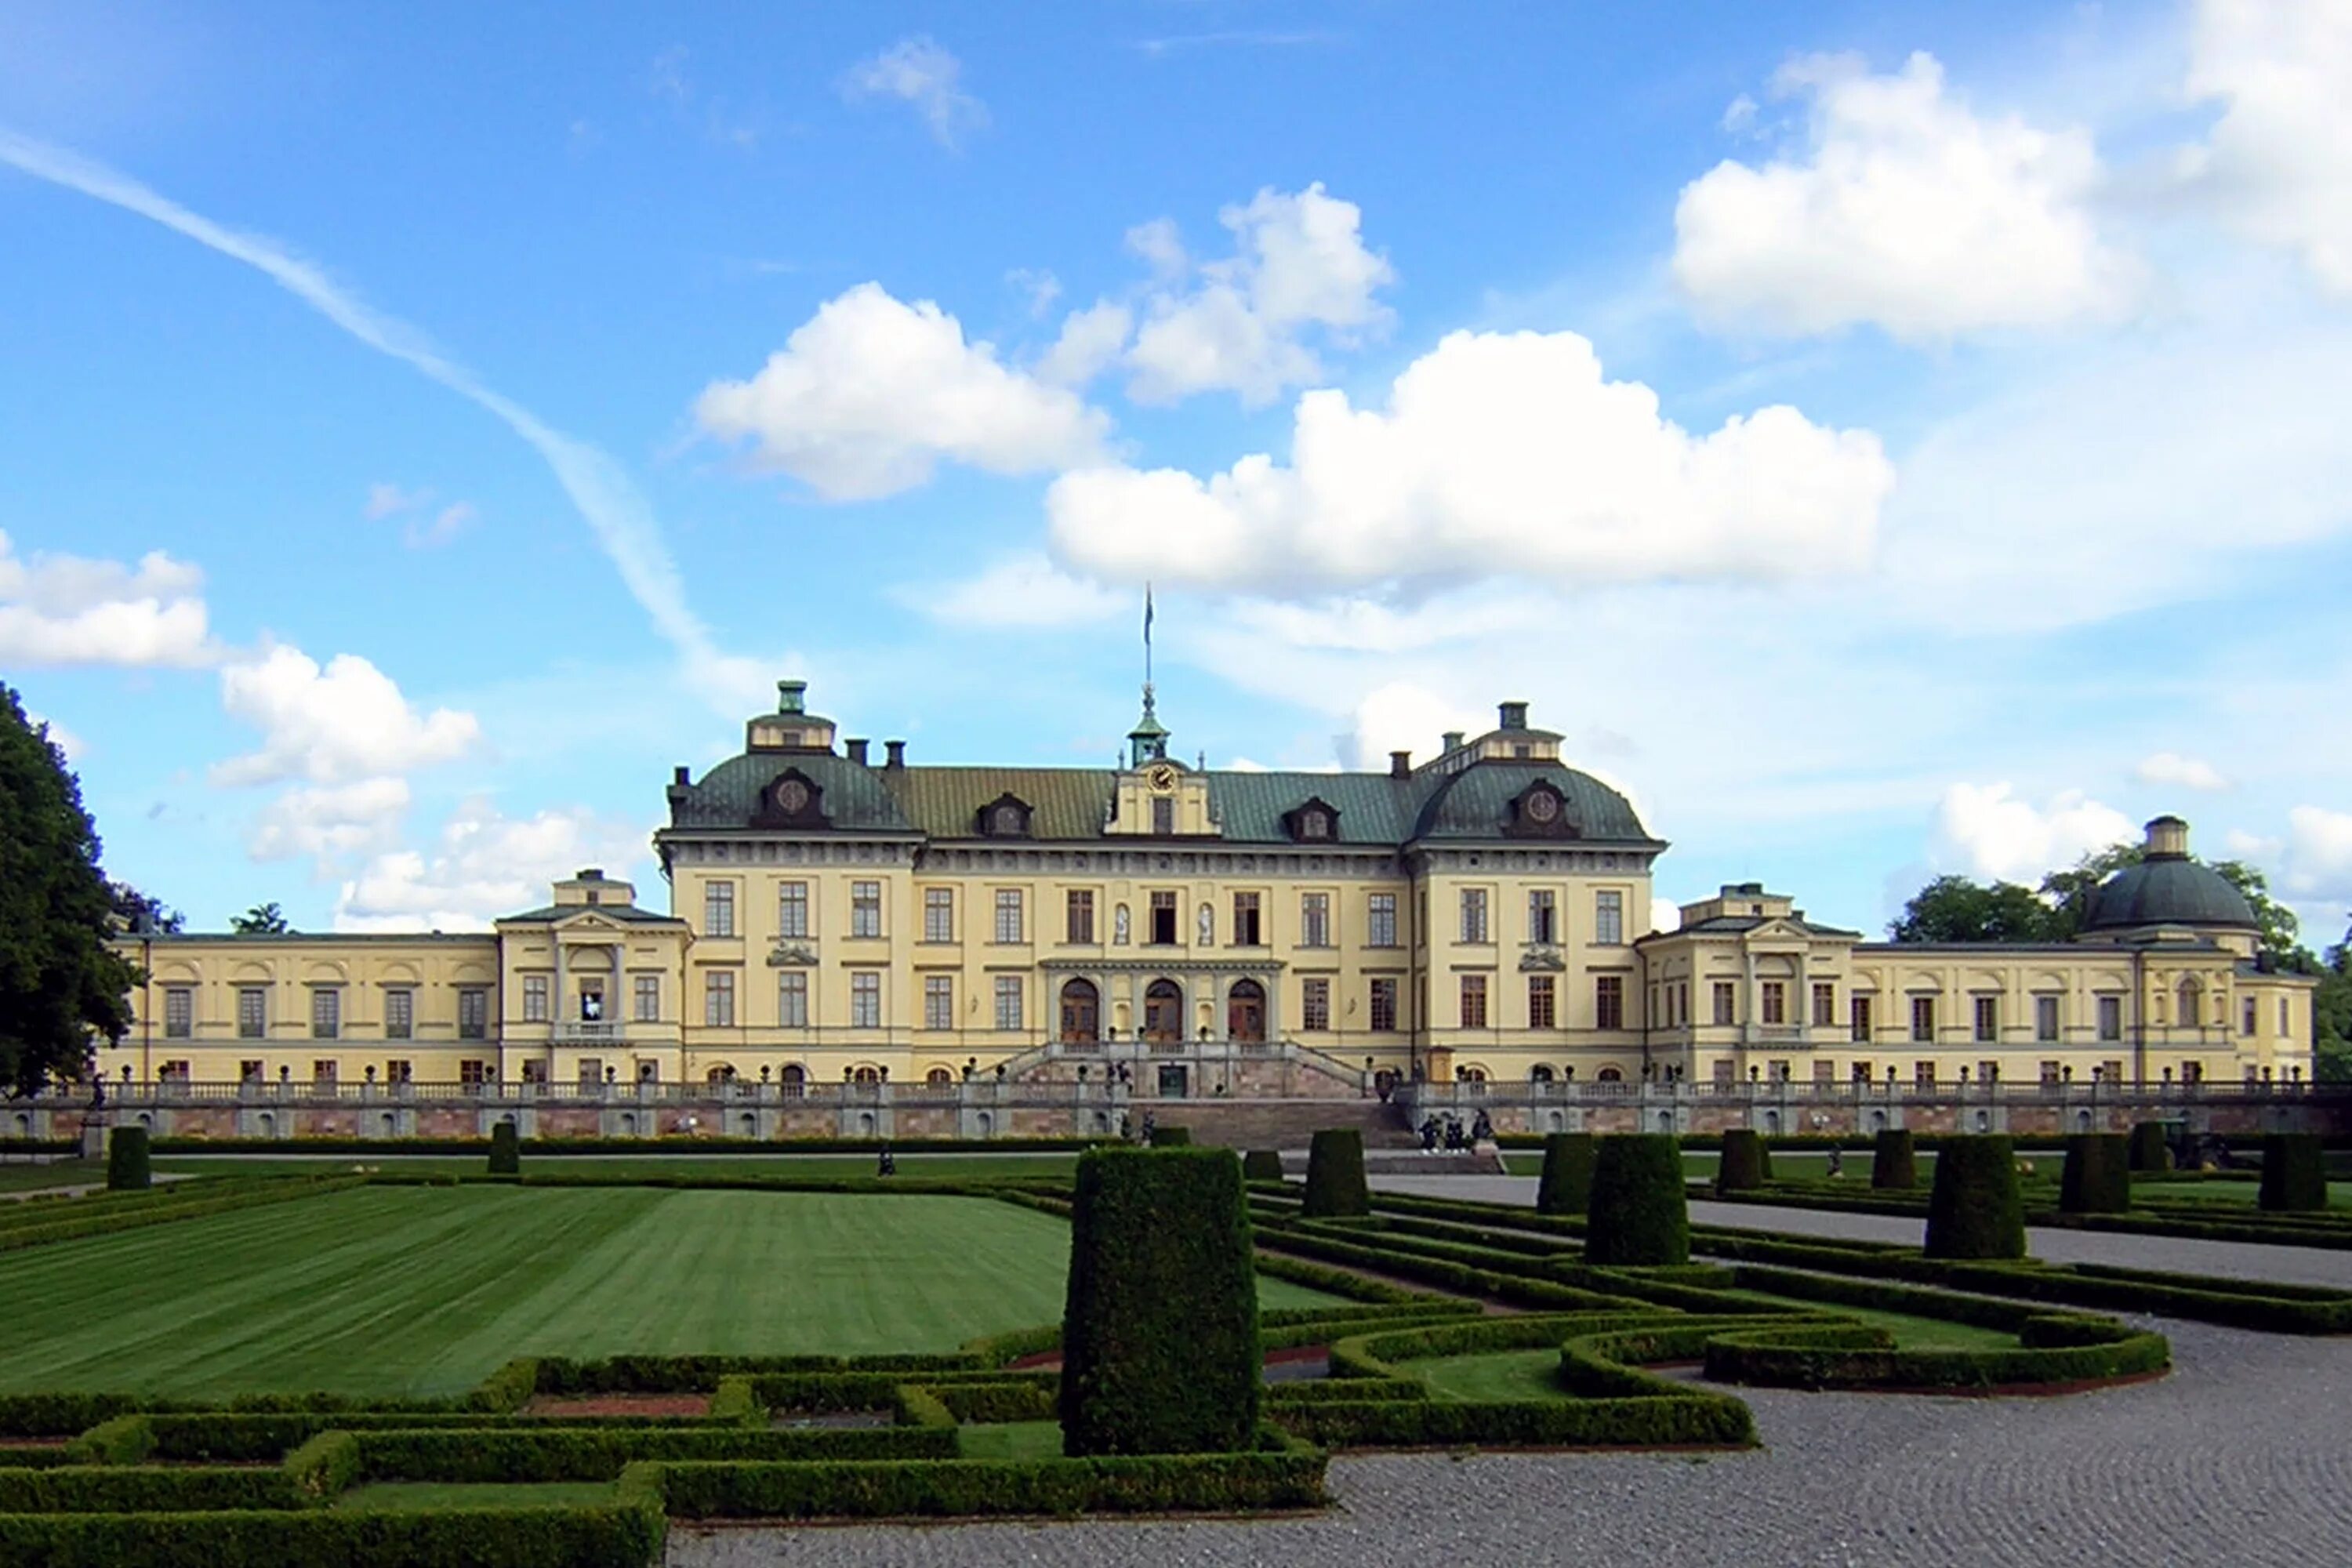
[678, 774]
[1514, 715]
[1399, 765]
[898, 753]
[2168, 840]
[792, 696]
[856, 752]
[1453, 741]
[589, 874]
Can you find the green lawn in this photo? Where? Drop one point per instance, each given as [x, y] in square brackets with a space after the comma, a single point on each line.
[623, 1165]
[1011, 1440]
[2239, 1193]
[409, 1497]
[28, 1178]
[423, 1291]
[1493, 1375]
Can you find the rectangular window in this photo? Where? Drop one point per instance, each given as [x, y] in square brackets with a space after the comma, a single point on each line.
[1543, 1002]
[1474, 1001]
[1923, 1074]
[719, 909]
[1988, 1072]
[938, 1001]
[1609, 919]
[1078, 915]
[1008, 1001]
[1384, 1016]
[1163, 817]
[865, 999]
[866, 908]
[252, 1013]
[323, 1075]
[399, 1013]
[939, 914]
[1987, 1010]
[326, 1012]
[1923, 1018]
[1474, 914]
[249, 1070]
[1824, 1005]
[472, 1072]
[1859, 1007]
[534, 998]
[1008, 914]
[2283, 1029]
[1314, 920]
[1163, 920]
[2111, 1017]
[1246, 913]
[172, 1072]
[1776, 1001]
[2050, 1075]
[719, 999]
[1380, 926]
[399, 1069]
[1682, 1004]
[474, 1013]
[1314, 1003]
[2246, 1018]
[1609, 1001]
[1543, 917]
[2045, 1018]
[791, 999]
[1724, 1003]
[180, 1013]
[793, 909]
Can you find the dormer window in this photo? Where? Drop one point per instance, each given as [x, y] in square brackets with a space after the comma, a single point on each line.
[792, 799]
[1542, 812]
[1006, 816]
[1314, 821]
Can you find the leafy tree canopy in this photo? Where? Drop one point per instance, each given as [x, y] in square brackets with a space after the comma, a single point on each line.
[1956, 908]
[2332, 1016]
[262, 919]
[60, 983]
[135, 911]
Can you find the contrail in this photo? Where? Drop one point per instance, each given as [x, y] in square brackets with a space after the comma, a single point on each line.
[614, 510]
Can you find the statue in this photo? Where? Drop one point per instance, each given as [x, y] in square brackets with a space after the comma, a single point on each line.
[1208, 926]
[1118, 926]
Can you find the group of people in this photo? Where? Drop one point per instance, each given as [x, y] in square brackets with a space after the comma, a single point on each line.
[1449, 1135]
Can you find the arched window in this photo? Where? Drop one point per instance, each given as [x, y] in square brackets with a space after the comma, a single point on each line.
[2191, 1014]
[866, 1074]
[794, 1079]
[1540, 1073]
[1610, 1075]
[939, 1078]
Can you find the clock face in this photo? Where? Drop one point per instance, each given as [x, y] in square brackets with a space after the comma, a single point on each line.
[1543, 806]
[1162, 778]
[792, 796]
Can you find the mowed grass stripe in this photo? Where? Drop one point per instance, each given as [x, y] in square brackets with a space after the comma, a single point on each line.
[421, 1290]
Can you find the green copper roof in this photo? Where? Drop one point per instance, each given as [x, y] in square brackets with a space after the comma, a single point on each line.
[2166, 889]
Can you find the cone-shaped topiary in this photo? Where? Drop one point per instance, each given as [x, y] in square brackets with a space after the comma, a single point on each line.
[1335, 1175]
[1262, 1165]
[2295, 1174]
[1159, 1338]
[1745, 1164]
[2150, 1152]
[2097, 1178]
[1895, 1160]
[506, 1151]
[1171, 1137]
[1567, 1173]
[1975, 1210]
[126, 1161]
[1637, 1216]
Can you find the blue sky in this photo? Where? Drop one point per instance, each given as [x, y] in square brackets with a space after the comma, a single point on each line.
[1882, 439]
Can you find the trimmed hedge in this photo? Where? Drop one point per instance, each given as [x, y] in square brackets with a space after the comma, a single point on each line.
[2295, 1174]
[336, 1148]
[1974, 1210]
[1745, 1164]
[127, 1169]
[1262, 1165]
[2150, 1152]
[514, 1454]
[1336, 1188]
[1567, 1186]
[1893, 1160]
[1171, 1137]
[506, 1150]
[1638, 1215]
[627, 1533]
[142, 1489]
[1854, 1355]
[1159, 1483]
[2097, 1178]
[1159, 1336]
[124, 1440]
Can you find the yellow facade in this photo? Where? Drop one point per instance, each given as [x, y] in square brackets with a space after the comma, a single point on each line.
[1481, 915]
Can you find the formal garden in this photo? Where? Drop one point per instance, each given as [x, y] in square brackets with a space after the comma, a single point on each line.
[526, 1362]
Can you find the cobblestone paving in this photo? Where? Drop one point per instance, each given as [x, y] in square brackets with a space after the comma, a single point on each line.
[2236, 1459]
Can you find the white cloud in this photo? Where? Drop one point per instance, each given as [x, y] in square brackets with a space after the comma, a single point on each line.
[339, 725]
[425, 525]
[331, 821]
[1403, 716]
[1039, 285]
[918, 71]
[1495, 455]
[65, 740]
[1020, 590]
[1665, 915]
[869, 394]
[2188, 773]
[389, 501]
[2278, 164]
[1989, 832]
[72, 609]
[2319, 854]
[1299, 262]
[484, 865]
[1090, 344]
[1905, 209]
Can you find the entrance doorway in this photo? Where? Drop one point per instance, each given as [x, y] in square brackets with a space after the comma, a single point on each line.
[1172, 1081]
[1164, 1012]
[1081, 1012]
[1246, 1011]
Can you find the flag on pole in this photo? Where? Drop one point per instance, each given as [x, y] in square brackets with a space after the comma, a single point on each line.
[1147, 611]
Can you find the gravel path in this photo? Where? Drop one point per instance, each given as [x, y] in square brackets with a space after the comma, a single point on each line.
[2235, 1458]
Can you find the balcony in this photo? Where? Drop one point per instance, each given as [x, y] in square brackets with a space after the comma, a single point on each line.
[602, 1032]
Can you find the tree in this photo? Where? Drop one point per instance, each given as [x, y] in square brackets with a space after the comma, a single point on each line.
[262, 919]
[135, 913]
[2068, 892]
[61, 981]
[1955, 908]
[2331, 1009]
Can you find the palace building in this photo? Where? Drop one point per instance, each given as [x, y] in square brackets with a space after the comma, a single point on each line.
[1483, 915]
